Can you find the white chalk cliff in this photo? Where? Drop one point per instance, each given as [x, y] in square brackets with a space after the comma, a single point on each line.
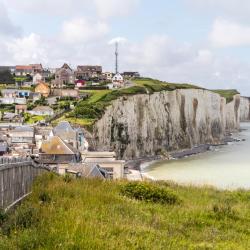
[144, 125]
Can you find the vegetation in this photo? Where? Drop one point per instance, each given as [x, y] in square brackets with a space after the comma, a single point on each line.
[65, 213]
[6, 77]
[93, 107]
[31, 119]
[227, 93]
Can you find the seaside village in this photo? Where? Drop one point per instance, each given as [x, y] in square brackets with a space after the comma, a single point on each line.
[33, 97]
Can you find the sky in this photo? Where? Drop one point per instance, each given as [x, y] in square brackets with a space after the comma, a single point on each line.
[203, 42]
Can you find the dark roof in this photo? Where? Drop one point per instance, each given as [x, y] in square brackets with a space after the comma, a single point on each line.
[87, 68]
[63, 127]
[87, 170]
[24, 129]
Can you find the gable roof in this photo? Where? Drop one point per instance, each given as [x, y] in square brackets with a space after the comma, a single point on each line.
[63, 126]
[87, 170]
[56, 146]
[90, 68]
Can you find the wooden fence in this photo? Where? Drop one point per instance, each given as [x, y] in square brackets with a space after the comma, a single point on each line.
[16, 179]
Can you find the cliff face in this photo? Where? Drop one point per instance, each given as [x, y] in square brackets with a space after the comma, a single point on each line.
[142, 125]
[244, 109]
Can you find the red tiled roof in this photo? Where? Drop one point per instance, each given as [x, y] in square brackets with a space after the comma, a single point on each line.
[23, 67]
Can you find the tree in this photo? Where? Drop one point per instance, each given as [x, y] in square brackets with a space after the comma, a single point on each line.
[6, 77]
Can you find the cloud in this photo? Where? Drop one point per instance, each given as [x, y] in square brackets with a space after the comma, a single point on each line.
[117, 40]
[109, 8]
[49, 7]
[228, 34]
[81, 30]
[7, 28]
[164, 58]
[101, 8]
[28, 49]
[233, 9]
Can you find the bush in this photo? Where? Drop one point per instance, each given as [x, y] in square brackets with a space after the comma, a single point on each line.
[149, 192]
[223, 211]
[44, 197]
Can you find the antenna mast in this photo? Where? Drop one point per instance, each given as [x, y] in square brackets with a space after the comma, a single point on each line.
[116, 57]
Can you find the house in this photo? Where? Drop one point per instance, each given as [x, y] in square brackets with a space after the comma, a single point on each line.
[13, 100]
[19, 109]
[22, 135]
[12, 117]
[35, 96]
[37, 78]
[88, 72]
[72, 136]
[84, 171]
[63, 76]
[8, 68]
[56, 151]
[32, 69]
[108, 76]
[15, 93]
[118, 80]
[23, 70]
[3, 148]
[37, 68]
[128, 75]
[43, 89]
[107, 161]
[66, 93]
[42, 111]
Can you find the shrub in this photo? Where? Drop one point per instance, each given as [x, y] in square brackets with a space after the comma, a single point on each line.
[3, 216]
[222, 211]
[149, 192]
[44, 197]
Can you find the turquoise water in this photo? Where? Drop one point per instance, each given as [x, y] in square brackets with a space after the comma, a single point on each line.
[227, 167]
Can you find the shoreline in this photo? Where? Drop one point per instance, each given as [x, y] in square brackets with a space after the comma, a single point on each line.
[141, 164]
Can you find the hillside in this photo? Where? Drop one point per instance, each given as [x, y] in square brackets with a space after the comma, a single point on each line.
[91, 214]
[91, 109]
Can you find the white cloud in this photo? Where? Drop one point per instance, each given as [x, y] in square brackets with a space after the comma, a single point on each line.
[233, 9]
[117, 40]
[225, 34]
[29, 49]
[81, 30]
[108, 8]
[103, 8]
[7, 28]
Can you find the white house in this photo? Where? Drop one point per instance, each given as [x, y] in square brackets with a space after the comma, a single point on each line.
[37, 78]
[118, 80]
[42, 110]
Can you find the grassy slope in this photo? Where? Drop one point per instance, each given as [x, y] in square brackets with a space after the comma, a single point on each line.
[92, 214]
[90, 110]
[227, 93]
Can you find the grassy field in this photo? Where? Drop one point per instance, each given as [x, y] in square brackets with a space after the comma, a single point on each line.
[227, 93]
[94, 214]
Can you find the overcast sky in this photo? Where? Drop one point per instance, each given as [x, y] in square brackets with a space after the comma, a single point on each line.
[205, 42]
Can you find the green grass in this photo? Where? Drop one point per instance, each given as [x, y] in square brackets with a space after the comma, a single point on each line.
[35, 118]
[90, 110]
[94, 107]
[94, 214]
[227, 93]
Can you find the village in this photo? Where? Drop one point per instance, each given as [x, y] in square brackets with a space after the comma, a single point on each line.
[33, 104]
